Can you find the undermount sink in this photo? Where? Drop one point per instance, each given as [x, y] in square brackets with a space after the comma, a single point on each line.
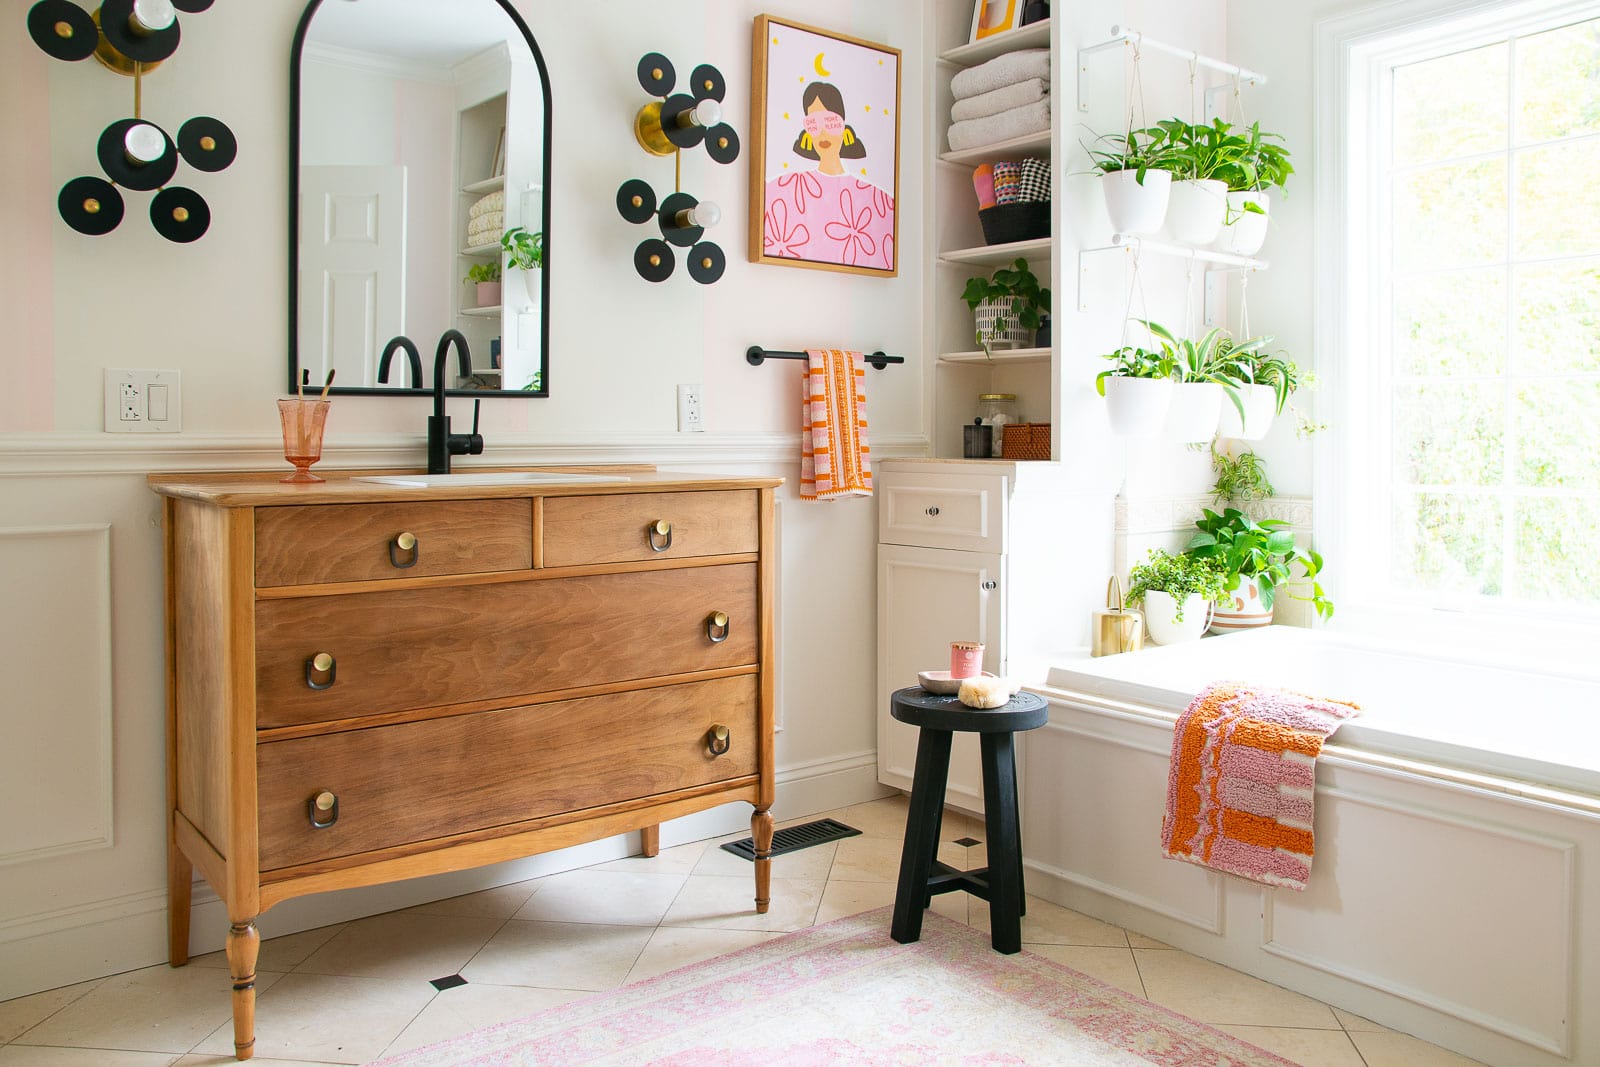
[435, 481]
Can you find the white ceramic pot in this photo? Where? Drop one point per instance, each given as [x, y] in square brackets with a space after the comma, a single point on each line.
[1161, 620]
[1196, 408]
[1260, 405]
[1137, 406]
[997, 324]
[488, 294]
[1137, 207]
[530, 281]
[1241, 608]
[1196, 209]
[1244, 232]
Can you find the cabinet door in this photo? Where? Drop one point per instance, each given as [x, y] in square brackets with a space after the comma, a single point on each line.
[928, 598]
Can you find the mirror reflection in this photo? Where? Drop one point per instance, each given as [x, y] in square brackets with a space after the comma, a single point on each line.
[420, 135]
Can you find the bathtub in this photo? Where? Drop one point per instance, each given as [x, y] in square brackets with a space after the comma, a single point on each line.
[1453, 891]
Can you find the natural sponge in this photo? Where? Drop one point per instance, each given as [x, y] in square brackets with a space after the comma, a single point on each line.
[984, 692]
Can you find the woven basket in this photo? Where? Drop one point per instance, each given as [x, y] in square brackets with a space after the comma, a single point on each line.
[998, 325]
[1026, 440]
[1005, 223]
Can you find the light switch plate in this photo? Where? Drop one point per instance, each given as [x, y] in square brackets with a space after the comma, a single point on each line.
[143, 401]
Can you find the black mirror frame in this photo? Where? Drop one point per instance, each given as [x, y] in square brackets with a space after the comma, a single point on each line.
[294, 228]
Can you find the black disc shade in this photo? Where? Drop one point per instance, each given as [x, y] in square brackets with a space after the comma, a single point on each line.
[139, 47]
[681, 136]
[114, 158]
[656, 75]
[706, 262]
[706, 83]
[636, 201]
[653, 259]
[722, 143]
[180, 214]
[90, 205]
[682, 236]
[63, 30]
[192, 7]
[207, 143]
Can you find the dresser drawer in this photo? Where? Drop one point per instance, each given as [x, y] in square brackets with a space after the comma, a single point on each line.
[416, 648]
[359, 542]
[927, 510]
[623, 528]
[424, 780]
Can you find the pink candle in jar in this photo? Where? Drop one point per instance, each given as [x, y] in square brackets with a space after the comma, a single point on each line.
[966, 659]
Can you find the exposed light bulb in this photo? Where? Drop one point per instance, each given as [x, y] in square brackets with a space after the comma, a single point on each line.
[704, 215]
[143, 144]
[705, 113]
[151, 16]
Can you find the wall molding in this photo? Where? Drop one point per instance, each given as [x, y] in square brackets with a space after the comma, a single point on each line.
[1211, 924]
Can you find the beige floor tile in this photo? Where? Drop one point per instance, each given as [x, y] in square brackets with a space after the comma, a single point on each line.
[1051, 924]
[1113, 966]
[1391, 1049]
[1141, 941]
[1308, 1048]
[852, 898]
[1352, 1022]
[327, 1017]
[157, 1009]
[32, 1056]
[955, 906]
[1214, 994]
[613, 898]
[472, 1007]
[402, 945]
[872, 859]
[283, 953]
[729, 904]
[227, 1059]
[17, 1016]
[671, 947]
[679, 859]
[558, 955]
[809, 863]
[877, 818]
[501, 902]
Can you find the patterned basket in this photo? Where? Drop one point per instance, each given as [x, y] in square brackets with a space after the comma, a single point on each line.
[1026, 440]
[998, 325]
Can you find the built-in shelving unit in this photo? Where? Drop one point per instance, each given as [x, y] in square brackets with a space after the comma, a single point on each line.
[998, 356]
[1035, 35]
[1014, 148]
[491, 312]
[998, 254]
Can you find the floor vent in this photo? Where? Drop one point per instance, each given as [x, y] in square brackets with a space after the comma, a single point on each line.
[795, 838]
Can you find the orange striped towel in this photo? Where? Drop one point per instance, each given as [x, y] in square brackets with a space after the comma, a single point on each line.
[1241, 780]
[833, 426]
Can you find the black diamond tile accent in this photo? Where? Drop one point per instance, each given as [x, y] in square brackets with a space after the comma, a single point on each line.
[795, 838]
[449, 981]
[966, 842]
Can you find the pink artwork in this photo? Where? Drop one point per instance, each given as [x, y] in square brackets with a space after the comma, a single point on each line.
[825, 167]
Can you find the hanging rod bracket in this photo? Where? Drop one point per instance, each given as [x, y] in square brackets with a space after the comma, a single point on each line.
[1122, 35]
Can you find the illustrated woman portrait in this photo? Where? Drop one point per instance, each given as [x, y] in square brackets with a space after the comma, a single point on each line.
[828, 211]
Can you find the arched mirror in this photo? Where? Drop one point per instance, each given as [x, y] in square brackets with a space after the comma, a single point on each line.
[419, 134]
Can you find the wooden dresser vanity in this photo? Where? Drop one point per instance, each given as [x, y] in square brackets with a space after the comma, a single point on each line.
[369, 682]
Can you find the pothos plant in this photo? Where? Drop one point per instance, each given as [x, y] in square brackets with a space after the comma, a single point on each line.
[524, 250]
[1263, 551]
[1179, 577]
[483, 272]
[1016, 283]
[1260, 165]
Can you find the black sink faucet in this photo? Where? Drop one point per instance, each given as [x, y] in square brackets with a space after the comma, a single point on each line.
[412, 357]
[442, 444]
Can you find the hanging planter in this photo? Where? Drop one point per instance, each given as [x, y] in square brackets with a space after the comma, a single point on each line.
[1260, 405]
[1195, 411]
[1196, 210]
[525, 254]
[1244, 227]
[1137, 200]
[1137, 406]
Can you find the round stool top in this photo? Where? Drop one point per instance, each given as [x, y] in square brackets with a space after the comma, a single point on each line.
[916, 706]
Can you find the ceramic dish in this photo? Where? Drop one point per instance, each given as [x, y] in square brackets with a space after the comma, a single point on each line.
[941, 683]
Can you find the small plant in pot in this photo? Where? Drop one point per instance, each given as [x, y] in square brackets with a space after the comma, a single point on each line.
[1264, 382]
[1202, 386]
[1176, 593]
[1261, 166]
[1199, 155]
[525, 252]
[487, 278]
[1008, 307]
[1137, 388]
[1257, 558]
[1136, 178]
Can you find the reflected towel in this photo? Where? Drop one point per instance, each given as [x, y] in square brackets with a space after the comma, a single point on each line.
[991, 129]
[833, 426]
[1241, 780]
[1013, 67]
[997, 100]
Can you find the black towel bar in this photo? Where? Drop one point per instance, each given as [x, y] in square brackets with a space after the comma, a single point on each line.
[755, 354]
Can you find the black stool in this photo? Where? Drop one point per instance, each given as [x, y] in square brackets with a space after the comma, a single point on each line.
[921, 873]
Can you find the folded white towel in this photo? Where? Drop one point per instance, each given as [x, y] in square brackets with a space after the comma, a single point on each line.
[492, 202]
[488, 221]
[1018, 122]
[1002, 99]
[1001, 71]
[485, 229]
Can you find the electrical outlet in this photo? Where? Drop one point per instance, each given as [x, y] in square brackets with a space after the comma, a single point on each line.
[691, 415]
[143, 401]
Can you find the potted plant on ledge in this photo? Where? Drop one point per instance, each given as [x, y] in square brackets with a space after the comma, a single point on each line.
[1256, 558]
[487, 278]
[1177, 593]
[1007, 307]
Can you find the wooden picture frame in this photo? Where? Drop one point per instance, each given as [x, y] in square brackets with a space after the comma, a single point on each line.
[990, 17]
[825, 150]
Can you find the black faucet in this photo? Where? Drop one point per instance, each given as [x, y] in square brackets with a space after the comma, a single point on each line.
[442, 444]
[412, 357]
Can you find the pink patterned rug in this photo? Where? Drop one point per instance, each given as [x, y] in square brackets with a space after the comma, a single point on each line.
[844, 993]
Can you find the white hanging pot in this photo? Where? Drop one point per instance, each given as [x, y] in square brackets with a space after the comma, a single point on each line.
[1137, 406]
[1260, 405]
[1243, 231]
[1136, 207]
[998, 326]
[1196, 209]
[530, 281]
[1196, 408]
[1161, 620]
[1240, 608]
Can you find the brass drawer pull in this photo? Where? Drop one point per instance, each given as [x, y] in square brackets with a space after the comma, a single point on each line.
[717, 627]
[718, 740]
[324, 810]
[405, 542]
[659, 534]
[322, 664]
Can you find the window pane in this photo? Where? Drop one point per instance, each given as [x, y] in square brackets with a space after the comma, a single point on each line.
[1557, 212]
[1453, 216]
[1558, 83]
[1448, 324]
[1558, 318]
[1447, 543]
[1451, 106]
[1558, 424]
[1449, 434]
[1555, 537]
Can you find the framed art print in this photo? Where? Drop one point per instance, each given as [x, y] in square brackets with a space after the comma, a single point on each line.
[990, 17]
[825, 164]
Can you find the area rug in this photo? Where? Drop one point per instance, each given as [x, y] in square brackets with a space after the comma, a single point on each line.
[844, 993]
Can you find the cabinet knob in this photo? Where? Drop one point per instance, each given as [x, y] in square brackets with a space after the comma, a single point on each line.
[718, 739]
[324, 809]
[933, 512]
[991, 585]
[659, 534]
[717, 627]
[404, 551]
[322, 670]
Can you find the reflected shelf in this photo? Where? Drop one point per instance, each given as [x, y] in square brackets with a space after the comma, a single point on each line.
[481, 313]
[488, 185]
[481, 250]
[1015, 148]
[1001, 253]
[999, 355]
[1033, 35]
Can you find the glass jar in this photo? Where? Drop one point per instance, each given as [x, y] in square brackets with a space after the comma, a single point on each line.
[998, 410]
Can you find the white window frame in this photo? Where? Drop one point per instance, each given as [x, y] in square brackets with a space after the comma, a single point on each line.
[1355, 56]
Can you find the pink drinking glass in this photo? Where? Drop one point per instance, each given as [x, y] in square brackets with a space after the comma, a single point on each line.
[303, 421]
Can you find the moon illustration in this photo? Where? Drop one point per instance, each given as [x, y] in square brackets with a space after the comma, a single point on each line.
[817, 63]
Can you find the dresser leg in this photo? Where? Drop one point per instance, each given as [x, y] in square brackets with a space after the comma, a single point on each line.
[761, 832]
[180, 889]
[243, 945]
[650, 839]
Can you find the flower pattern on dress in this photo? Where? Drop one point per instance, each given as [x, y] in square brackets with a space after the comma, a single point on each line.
[782, 239]
[829, 218]
[850, 229]
[802, 185]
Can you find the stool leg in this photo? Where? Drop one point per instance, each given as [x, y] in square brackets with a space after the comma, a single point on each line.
[922, 834]
[1005, 849]
[1022, 882]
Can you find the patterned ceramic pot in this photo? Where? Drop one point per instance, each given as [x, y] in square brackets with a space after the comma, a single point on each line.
[1241, 608]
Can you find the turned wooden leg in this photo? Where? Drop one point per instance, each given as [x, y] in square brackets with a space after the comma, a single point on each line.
[650, 838]
[243, 945]
[180, 888]
[761, 831]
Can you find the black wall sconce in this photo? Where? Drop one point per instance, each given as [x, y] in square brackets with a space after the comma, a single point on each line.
[133, 37]
[665, 128]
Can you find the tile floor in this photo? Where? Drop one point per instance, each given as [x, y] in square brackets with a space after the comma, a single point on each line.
[353, 992]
